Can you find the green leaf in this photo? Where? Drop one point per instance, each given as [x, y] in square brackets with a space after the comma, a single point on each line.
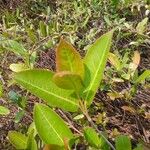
[55, 131]
[68, 59]
[92, 137]
[31, 35]
[143, 76]
[95, 60]
[39, 82]
[31, 143]
[141, 27]
[18, 140]
[4, 110]
[68, 80]
[31, 129]
[122, 142]
[15, 47]
[42, 27]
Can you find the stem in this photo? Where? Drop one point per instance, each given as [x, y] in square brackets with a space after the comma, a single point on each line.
[85, 112]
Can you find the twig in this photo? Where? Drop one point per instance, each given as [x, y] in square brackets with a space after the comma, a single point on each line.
[85, 112]
[69, 122]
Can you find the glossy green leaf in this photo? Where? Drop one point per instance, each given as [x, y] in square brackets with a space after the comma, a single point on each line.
[68, 80]
[92, 137]
[54, 131]
[143, 76]
[4, 110]
[95, 60]
[68, 59]
[39, 82]
[18, 140]
[122, 142]
[141, 27]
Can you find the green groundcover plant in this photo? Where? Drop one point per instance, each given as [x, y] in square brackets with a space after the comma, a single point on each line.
[71, 88]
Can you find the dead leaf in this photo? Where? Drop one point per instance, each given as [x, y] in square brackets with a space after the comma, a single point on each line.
[129, 109]
[136, 58]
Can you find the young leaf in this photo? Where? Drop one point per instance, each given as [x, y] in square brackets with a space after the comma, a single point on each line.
[143, 76]
[55, 130]
[122, 142]
[95, 60]
[4, 110]
[92, 137]
[18, 140]
[68, 59]
[141, 27]
[68, 80]
[39, 82]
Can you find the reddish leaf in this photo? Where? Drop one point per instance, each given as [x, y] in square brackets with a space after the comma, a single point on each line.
[68, 59]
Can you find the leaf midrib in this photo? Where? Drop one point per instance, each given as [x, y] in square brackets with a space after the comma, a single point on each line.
[96, 72]
[50, 124]
[63, 98]
[69, 61]
[23, 141]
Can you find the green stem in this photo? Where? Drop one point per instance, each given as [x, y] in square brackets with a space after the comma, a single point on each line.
[85, 112]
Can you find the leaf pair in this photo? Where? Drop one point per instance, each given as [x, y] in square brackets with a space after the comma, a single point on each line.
[67, 59]
[69, 67]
